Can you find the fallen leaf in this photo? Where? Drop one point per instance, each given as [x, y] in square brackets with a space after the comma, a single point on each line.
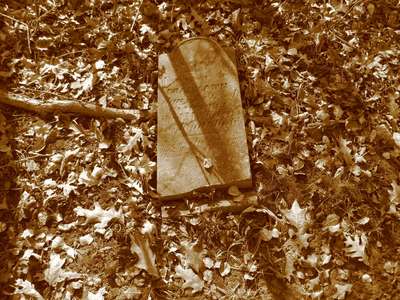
[100, 64]
[25, 287]
[55, 274]
[356, 246]
[99, 216]
[296, 216]
[193, 255]
[234, 191]
[86, 240]
[191, 279]
[396, 138]
[341, 290]
[394, 197]
[98, 296]
[225, 269]
[267, 235]
[346, 151]
[147, 259]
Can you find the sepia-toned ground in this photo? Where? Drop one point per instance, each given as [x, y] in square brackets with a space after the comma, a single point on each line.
[79, 214]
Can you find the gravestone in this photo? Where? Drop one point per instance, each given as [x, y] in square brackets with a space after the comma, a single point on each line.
[201, 133]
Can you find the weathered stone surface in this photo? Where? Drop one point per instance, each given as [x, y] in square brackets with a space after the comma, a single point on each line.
[201, 133]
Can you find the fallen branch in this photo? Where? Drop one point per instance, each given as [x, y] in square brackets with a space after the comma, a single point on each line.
[69, 106]
[223, 205]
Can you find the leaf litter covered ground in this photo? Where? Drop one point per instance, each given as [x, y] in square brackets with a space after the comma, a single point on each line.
[79, 216]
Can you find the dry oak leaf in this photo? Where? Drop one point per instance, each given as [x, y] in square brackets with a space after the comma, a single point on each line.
[99, 295]
[98, 215]
[394, 197]
[356, 246]
[396, 138]
[55, 274]
[147, 259]
[193, 254]
[296, 216]
[191, 279]
[25, 287]
[341, 290]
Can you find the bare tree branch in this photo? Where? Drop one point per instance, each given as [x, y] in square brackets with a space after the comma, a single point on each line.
[69, 106]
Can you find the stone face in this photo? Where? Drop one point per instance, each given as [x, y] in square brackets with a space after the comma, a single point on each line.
[201, 133]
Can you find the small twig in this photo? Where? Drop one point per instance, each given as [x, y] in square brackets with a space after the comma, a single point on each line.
[260, 120]
[347, 12]
[69, 53]
[172, 10]
[27, 29]
[45, 92]
[45, 14]
[136, 16]
[12, 162]
[341, 39]
[69, 106]
[39, 17]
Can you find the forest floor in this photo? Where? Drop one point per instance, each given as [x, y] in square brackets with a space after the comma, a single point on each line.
[79, 214]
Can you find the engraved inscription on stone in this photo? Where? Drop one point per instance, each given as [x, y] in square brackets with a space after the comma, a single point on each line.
[200, 120]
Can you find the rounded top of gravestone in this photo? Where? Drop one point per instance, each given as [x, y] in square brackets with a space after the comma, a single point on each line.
[194, 52]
